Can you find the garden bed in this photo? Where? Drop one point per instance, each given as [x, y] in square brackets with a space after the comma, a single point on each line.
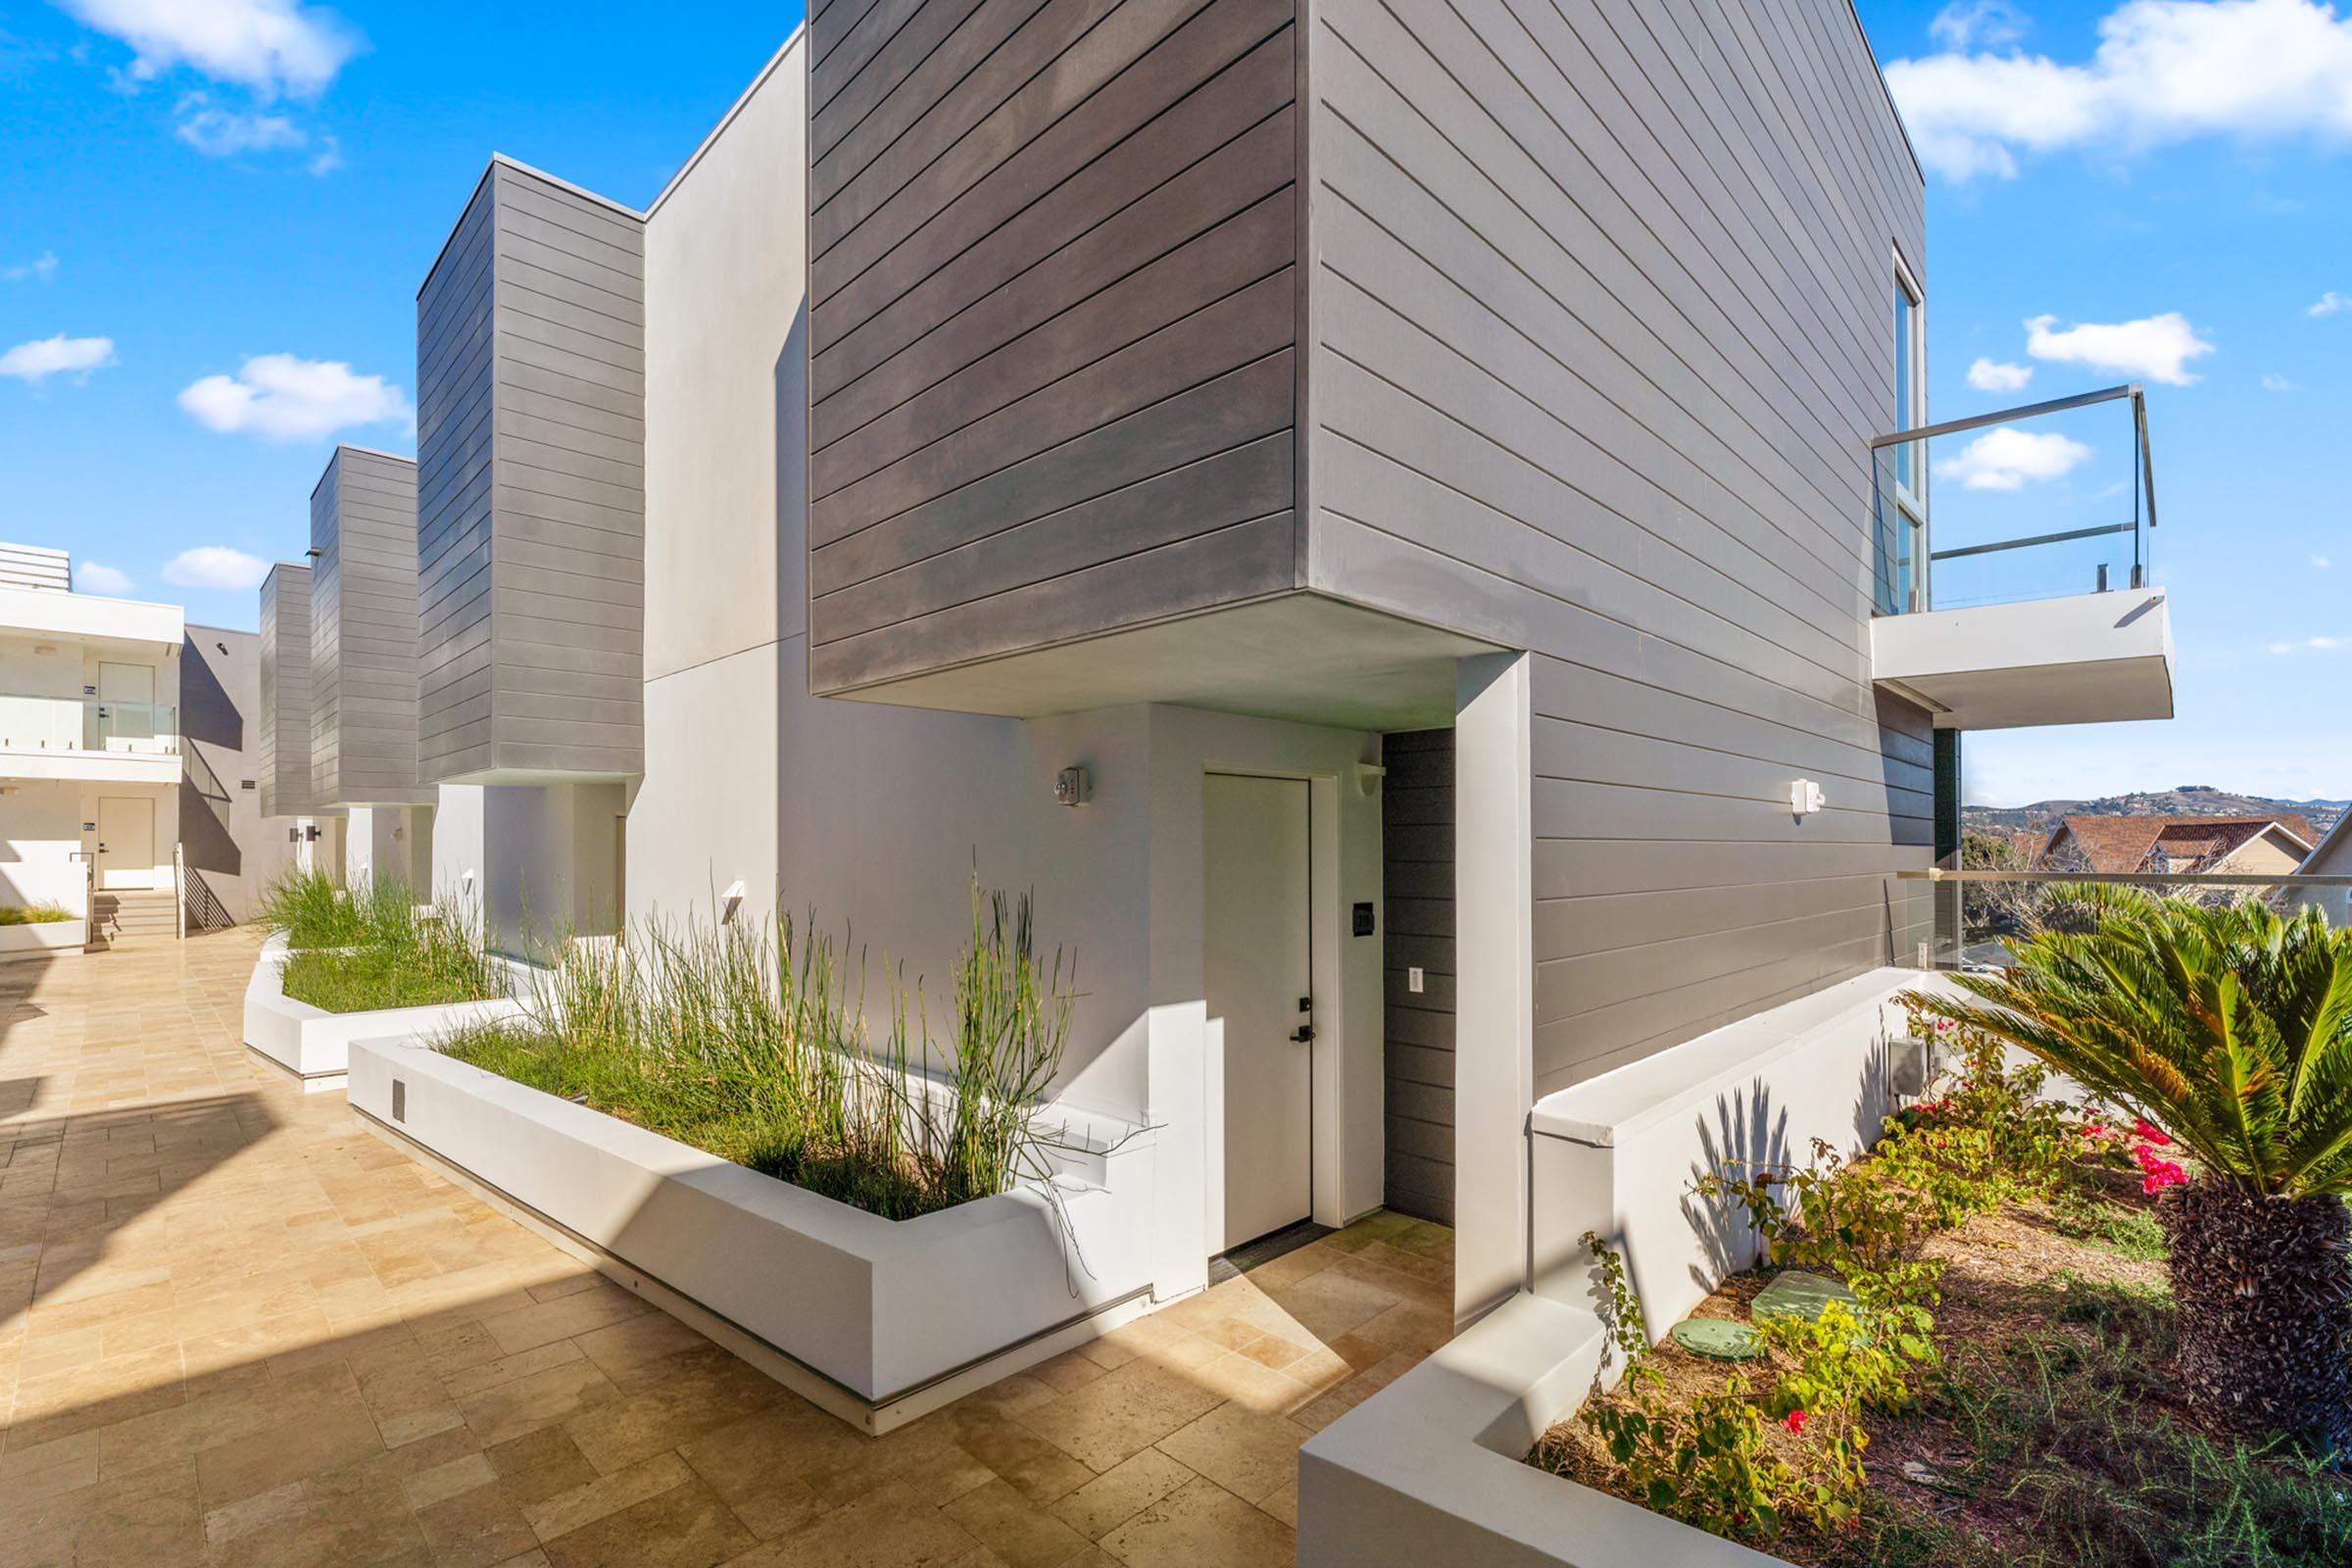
[314, 1044]
[42, 939]
[874, 1319]
[2050, 1435]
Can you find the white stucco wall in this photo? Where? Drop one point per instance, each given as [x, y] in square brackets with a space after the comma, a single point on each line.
[40, 830]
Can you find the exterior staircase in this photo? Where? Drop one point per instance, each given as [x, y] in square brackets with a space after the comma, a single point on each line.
[131, 914]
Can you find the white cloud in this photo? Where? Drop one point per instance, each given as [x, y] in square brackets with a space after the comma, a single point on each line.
[41, 268]
[2321, 562]
[219, 132]
[2327, 304]
[327, 158]
[267, 46]
[2157, 347]
[1988, 23]
[2007, 458]
[2317, 645]
[2276, 383]
[89, 577]
[215, 566]
[287, 399]
[2165, 71]
[35, 362]
[1993, 375]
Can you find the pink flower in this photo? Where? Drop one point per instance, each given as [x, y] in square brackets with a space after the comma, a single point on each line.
[1795, 1421]
[2153, 1135]
[2162, 1174]
[2095, 1130]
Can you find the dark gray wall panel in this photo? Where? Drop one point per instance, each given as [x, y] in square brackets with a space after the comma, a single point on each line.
[364, 632]
[283, 724]
[1417, 813]
[531, 450]
[1054, 309]
[1599, 328]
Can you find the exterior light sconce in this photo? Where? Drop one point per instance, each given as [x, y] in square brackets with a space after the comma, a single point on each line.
[1804, 798]
[730, 902]
[1072, 787]
[1367, 778]
[466, 882]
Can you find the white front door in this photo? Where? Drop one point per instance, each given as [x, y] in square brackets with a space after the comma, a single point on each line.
[1260, 983]
[125, 843]
[126, 708]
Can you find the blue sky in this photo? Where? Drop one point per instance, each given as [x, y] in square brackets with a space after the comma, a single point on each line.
[215, 213]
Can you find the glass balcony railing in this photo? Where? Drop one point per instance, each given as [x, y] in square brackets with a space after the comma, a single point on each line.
[2042, 502]
[1980, 906]
[87, 724]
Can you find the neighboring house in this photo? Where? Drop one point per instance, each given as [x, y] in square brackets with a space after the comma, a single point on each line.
[2332, 857]
[2180, 846]
[1387, 528]
[122, 739]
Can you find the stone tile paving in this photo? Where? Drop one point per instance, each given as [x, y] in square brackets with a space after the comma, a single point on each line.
[236, 1328]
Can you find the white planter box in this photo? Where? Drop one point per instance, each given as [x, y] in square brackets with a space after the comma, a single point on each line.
[1430, 1469]
[314, 1044]
[874, 1319]
[50, 938]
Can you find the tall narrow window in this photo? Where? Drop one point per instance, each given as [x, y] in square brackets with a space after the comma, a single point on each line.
[1903, 514]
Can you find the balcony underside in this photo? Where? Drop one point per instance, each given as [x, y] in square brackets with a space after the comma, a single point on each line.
[1299, 657]
[2086, 660]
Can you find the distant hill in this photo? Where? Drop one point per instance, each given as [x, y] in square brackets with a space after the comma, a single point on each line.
[2189, 800]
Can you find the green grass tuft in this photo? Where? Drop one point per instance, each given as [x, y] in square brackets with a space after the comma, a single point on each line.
[33, 914]
[370, 949]
[743, 1041]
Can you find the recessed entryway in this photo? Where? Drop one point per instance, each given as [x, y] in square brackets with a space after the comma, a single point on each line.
[1259, 969]
[126, 842]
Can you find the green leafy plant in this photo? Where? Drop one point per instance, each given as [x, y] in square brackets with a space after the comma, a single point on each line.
[34, 913]
[2227, 1031]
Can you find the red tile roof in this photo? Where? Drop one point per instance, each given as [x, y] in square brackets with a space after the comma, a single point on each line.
[2125, 842]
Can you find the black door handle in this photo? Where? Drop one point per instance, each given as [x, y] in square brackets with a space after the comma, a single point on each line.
[1303, 1033]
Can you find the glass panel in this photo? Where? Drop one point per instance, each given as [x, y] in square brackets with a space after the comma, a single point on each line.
[1906, 392]
[73, 723]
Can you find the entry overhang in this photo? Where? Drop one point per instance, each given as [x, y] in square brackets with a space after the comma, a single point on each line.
[2086, 660]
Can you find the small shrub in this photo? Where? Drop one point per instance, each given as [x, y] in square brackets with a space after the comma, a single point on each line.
[44, 914]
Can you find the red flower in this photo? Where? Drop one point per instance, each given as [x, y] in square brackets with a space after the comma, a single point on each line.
[2161, 1174]
[1795, 1421]
[2153, 1135]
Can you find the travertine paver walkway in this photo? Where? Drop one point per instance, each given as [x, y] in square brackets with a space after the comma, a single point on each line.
[236, 1328]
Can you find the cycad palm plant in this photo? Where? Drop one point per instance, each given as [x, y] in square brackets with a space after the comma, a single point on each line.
[2230, 1029]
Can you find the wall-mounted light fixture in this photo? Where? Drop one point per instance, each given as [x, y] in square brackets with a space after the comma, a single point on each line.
[1367, 778]
[730, 902]
[1072, 787]
[1804, 798]
[466, 882]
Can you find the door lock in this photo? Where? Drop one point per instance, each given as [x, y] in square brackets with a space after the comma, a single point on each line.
[1303, 1033]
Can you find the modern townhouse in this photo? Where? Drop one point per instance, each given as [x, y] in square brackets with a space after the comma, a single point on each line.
[1408, 528]
[123, 794]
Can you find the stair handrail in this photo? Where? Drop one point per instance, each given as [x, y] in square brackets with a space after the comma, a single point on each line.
[89, 896]
[179, 888]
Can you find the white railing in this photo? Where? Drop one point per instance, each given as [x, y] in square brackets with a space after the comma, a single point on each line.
[180, 889]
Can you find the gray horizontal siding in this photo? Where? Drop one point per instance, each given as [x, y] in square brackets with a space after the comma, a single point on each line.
[283, 723]
[1052, 313]
[1416, 811]
[1601, 327]
[363, 605]
[530, 445]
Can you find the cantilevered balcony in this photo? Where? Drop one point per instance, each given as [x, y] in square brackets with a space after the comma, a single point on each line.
[2020, 605]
